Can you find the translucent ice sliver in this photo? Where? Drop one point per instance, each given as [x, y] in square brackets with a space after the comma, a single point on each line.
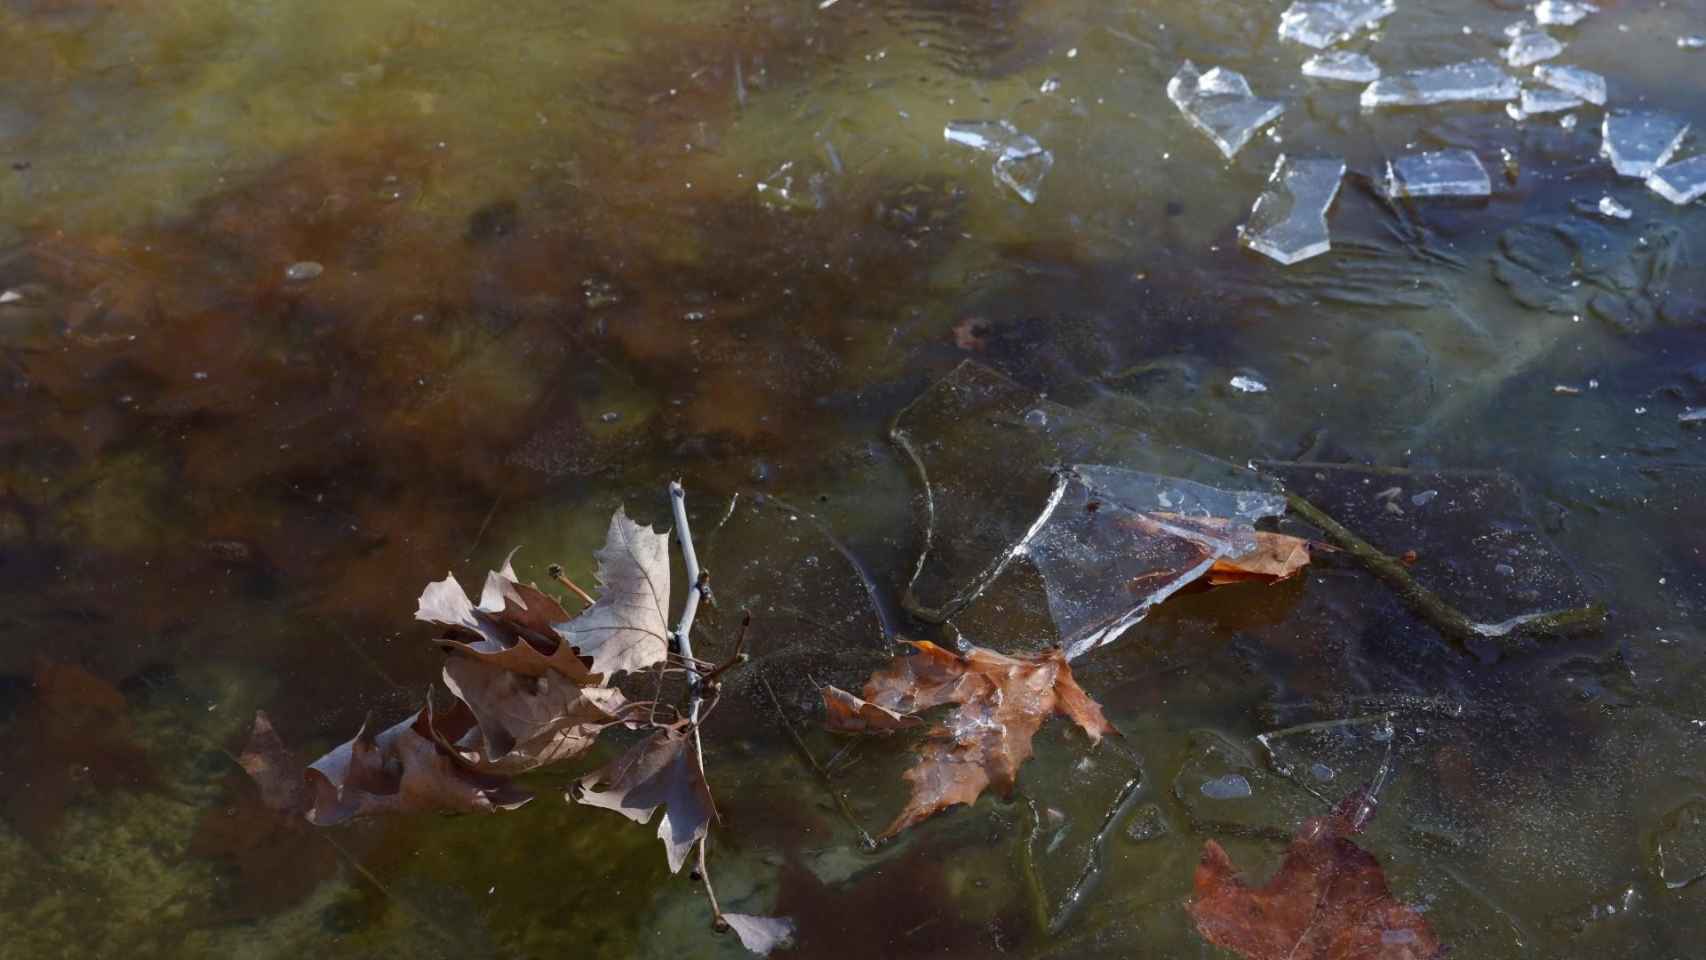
[1220, 104]
[1322, 24]
[1530, 47]
[1562, 13]
[1470, 81]
[1112, 543]
[1535, 102]
[1574, 81]
[1438, 173]
[1341, 65]
[1638, 142]
[1289, 220]
[1020, 161]
[1680, 182]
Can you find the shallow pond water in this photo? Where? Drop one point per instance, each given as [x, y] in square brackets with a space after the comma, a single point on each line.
[302, 305]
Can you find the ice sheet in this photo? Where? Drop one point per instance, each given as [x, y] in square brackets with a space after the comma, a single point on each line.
[1220, 104]
[1322, 24]
[1438, 173]
[1681, 182]
[1469, 81]
[1638, 142]
[1289, 220]
[1342, 65]
[1575, 81]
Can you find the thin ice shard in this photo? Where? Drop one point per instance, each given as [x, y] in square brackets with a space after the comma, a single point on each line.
[1320, 25]
[1437, 173]
[1342, 65]
[1575, 81]
[1113, 543]
[1681, 182]
[1473, 81]
[1289, 220]
[1220, 104]
[1020, 161]
[1531, 47]
[1562, 13]
[1638, 142]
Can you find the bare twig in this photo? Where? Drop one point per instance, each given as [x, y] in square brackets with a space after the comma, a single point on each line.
[717, 921]
[737, 657]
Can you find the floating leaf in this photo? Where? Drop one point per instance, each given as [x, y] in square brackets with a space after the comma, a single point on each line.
[761, 934]
[1001, 703]
[525, 718]
[661, 770]
[1329, 900]
[627, 629]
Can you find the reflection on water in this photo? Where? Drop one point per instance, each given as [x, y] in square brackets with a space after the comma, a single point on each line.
[303, 304]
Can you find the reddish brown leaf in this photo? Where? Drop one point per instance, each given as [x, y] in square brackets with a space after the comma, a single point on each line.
[850, 714]
[1276, 557]
[1001, 703]
[661, 770]
[1329, 900]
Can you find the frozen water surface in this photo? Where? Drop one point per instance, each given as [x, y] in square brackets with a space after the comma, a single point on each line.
[1342, 65]
[1481, 81]
[1575, 81]
[1289, 221]
[1438, 173]
[1020, 161]
[1220, 104]
[1681, 182]
[1322, 24]
[1531, 47]
[1562, 13]
[1638, 142]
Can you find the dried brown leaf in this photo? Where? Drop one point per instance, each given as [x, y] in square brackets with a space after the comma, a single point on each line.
[1001, 703]
[526, 719]
[1276, 557]
[850, 714]
[661, 770]
[404, 769]
[1329, 901]
[627, 629]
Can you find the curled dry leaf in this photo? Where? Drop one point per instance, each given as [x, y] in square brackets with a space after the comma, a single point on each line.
[528, 717]
[1329, 900]
[661, 770]
[761, 934]
[628, 628]
[1001, 703]
[850, 714]
[513, 623]
[405, 769]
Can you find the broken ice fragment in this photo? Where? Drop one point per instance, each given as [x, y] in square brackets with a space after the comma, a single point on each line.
[1567, 121]
[1230, 787]
[1691, 43]
[1637, 142]
[1020, 161]
[1244, 384]
[1289, 220]
[1322, 24]
[1438, 173]
[1220, 104]
[1681, 182]
[1575, 81]
[1536, 102]
[1341, 65]
[1532, 47]
[1607, 207]
[1562, 13]
[1472, 80]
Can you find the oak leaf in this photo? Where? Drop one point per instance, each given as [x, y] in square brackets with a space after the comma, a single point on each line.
[1329, 900]
[661, 770]
[1001, 702]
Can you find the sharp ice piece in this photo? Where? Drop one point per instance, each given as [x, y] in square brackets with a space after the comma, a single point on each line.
[1575, 81]
[1637, 142]
[1020, 161]
[1567, 121]
[1244, 384]
[1220, 104]
[1680, 182]
[1322, 24]
[1472, 80]
[1438, 173]
[1341, 65]
[1562, 13]
[1542, 101]
[1691, 42]
[1532, 47]
[1289, 220]
[1610, 209]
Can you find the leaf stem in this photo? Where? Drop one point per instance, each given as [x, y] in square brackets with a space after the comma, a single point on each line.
[556, 573]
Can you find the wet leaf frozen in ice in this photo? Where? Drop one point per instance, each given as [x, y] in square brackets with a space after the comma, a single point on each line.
[1220, 104]
[659, 771]
[1000, 703]
[1328, 901]
[1276, 557]
[761, 934]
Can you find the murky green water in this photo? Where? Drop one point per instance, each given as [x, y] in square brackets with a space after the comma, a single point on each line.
[551, 282]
